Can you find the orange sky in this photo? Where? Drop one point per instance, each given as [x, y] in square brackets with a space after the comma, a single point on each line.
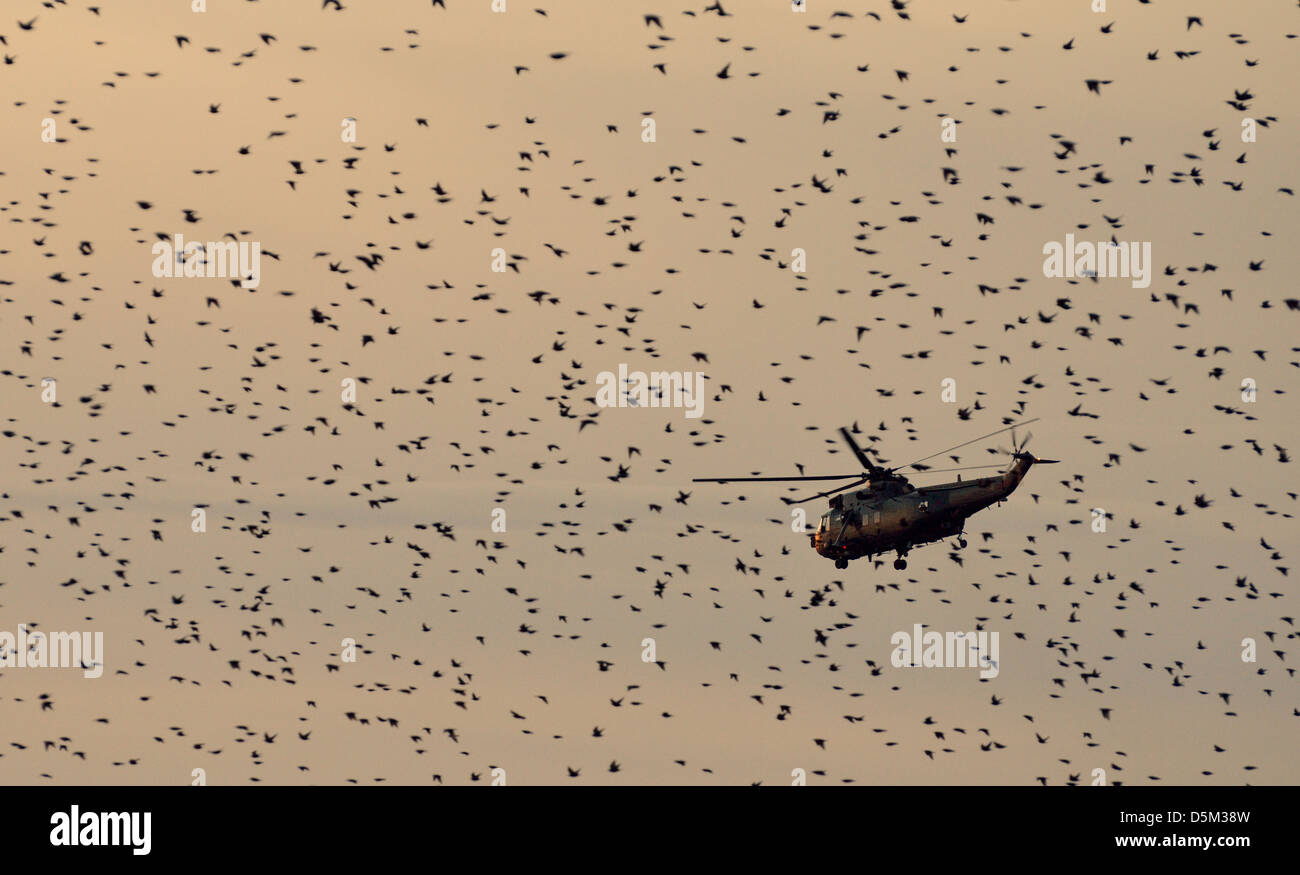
[856, 337]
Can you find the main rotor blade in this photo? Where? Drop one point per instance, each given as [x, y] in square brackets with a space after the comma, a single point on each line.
[772, 479]
[963, 468]
[857, 451]
[824, 494]
[967, 443]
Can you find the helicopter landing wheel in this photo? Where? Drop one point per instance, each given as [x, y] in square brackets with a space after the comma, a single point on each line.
[841, 563]
[900, 563]
[961, 542]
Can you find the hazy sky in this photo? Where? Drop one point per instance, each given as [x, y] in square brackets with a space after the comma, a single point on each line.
[472, 395]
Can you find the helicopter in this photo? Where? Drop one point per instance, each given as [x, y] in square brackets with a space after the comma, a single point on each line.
[892, 515]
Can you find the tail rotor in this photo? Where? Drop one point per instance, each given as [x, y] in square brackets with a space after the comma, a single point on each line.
[1018, 451]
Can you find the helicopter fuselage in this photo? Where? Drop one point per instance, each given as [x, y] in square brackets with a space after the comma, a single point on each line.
[889, 514]
[893, 517]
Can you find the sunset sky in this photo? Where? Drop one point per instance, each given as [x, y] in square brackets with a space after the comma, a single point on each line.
[475, 390]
